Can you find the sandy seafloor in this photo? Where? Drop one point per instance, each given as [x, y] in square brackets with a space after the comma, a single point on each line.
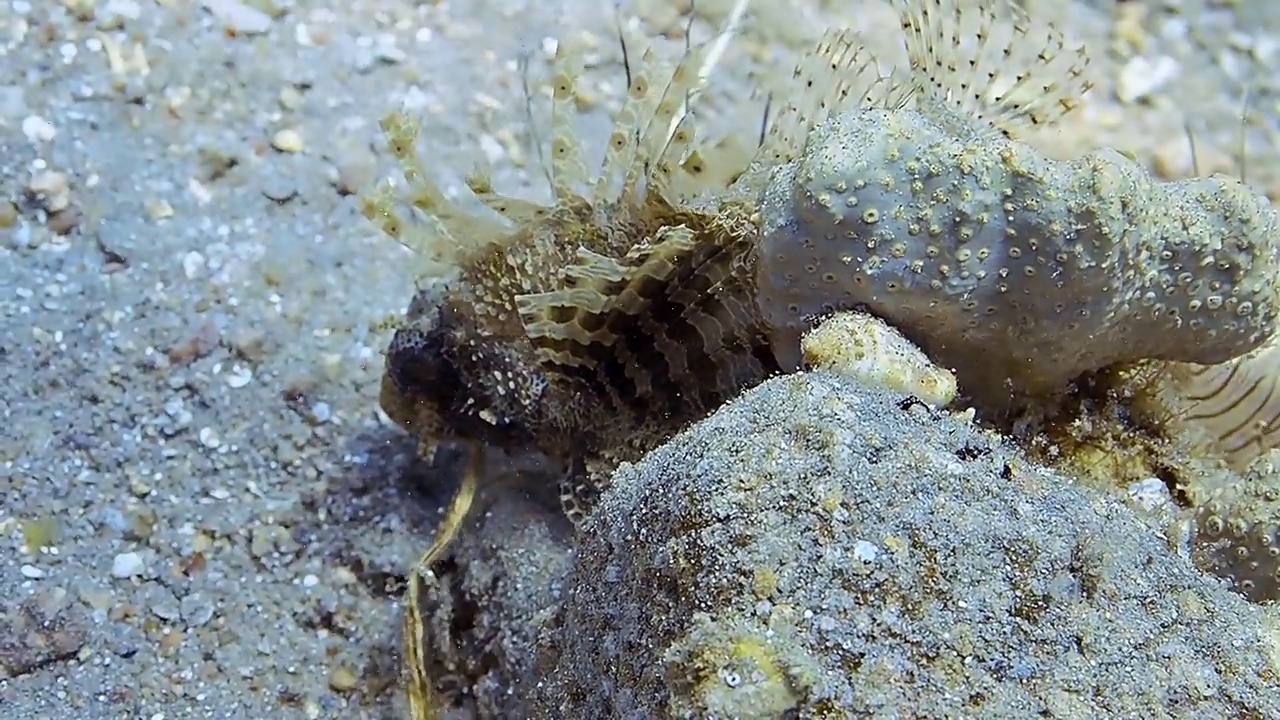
[204, 514]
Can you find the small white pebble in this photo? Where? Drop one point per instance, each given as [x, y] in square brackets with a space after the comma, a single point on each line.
[322, 412]
[158, 208]
[310, 580]
[239, 376]
[192, 264]
[53, 189]
[1150, 494]
[31, 571]
[302, 35]
[387, 52]
[1142, 76]
[237, 16]
[37, 129]
[126, 565]
[866, 552]
[287, 140]
[209, 437]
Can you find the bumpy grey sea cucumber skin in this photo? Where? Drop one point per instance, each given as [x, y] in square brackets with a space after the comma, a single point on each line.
[1017, 271]
[1236, 534]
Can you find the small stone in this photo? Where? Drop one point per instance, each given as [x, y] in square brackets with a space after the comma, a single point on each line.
[331, 365]
[125, 9]
[1150, 494]
[123, 639]
[37, 129]
[170, 639]
[52, 190]
[262, 542]
[166, 611]
[98, 600]
[158, 208]
[342, 679]
[388, 53]
[343, 576]
[290, 98]
[864, 551]
[140, 524]
[320, 413]
[39, 533]
[192, 264]
[202, 543]
[62, 223]
[127, 565]
[287, 140]
[239, 377]
[31, 572]
[8, 214]
[1142, 76]
[197, 610]
[209, 438]
[238, 17]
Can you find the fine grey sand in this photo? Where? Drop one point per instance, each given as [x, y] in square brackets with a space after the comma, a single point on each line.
[204, 513]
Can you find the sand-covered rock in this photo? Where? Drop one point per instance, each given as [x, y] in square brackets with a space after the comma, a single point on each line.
[821, 548]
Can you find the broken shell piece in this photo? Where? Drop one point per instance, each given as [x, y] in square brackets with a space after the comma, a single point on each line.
[863, 347]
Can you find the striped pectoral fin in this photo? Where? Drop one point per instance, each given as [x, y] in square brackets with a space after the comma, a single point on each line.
[685, 322]
[718, 306]
[671, 327]
[563, 328]
[565, 324]
[651, 352]
[1232, 408]
[600, 295]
